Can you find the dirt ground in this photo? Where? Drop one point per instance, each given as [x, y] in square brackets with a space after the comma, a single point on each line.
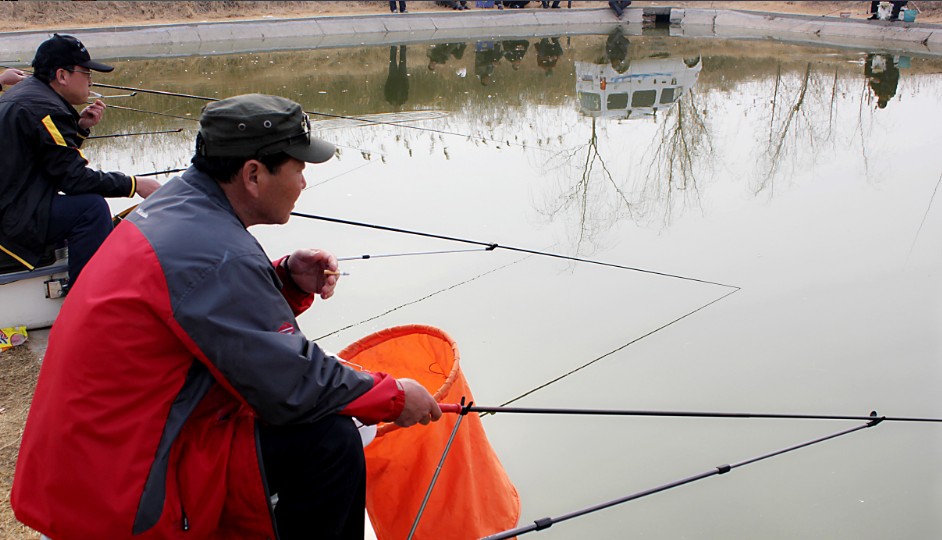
[19, 367]
[35, 15]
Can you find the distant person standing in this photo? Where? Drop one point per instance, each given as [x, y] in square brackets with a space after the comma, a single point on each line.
[487, 55]
[402, 7]
[439, 53]
[397, 82]
[514, 51]
[882, 76]
[548, 51]
[894, 15]
[619, 7]
[616, 50]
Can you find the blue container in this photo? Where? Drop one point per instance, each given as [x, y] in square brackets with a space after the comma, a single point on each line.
[484, 3]
[909, 15]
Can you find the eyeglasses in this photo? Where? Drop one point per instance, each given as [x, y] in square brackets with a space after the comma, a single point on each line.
[89, 73]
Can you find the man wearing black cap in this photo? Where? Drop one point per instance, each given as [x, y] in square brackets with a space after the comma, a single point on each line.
[42, 136]
[178, 395]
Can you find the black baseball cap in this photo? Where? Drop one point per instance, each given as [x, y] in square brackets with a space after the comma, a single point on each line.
[259, 125]
[63, 50]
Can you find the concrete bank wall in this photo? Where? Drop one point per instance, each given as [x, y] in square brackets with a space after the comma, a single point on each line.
[913, 38]
[206, 38]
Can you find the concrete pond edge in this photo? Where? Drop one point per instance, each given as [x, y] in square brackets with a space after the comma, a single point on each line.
[228, 37]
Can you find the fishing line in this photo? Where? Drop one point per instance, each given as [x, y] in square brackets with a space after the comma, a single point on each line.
[322, 182]
[446, 289]
[492, 246]
[316, 113]
[613, 351]
[461, 409]
[547, 522]
[924, 216]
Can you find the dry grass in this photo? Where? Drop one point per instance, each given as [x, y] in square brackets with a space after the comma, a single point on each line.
[19, 368]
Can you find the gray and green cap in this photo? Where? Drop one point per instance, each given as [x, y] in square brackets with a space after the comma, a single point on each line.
[256, 125]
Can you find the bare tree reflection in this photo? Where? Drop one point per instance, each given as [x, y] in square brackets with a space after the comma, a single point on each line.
[678, 152]
[598, 193]
[797, 132]
[588, 195]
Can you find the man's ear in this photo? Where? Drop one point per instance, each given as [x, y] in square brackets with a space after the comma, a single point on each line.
[249, 176]
[59, 76]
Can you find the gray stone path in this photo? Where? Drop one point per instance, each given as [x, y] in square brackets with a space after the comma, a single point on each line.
[225, 37]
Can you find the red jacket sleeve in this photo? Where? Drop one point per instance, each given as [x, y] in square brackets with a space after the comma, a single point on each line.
[298, 299]
[382, 403]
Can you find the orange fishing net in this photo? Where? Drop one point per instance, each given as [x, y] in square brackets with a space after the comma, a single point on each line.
[473, 497]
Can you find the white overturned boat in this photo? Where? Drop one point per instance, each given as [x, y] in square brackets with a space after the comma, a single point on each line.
[32, 298]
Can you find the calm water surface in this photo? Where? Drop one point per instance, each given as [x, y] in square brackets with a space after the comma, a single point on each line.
[804, 181]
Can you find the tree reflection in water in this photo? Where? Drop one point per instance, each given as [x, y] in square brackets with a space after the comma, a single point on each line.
[614, 155]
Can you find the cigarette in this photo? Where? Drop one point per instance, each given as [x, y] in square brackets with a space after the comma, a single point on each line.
[334, 273]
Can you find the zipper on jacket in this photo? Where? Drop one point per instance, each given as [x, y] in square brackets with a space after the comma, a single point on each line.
[186, 521]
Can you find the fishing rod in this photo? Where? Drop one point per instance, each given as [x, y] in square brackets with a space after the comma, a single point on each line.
[205, 98]
[364, 257]
[96, 95]
[493, 246]
[155, 92]
[313, 113]
[120, 216]
[157, 173]
[460, 409]
[545, 523]
[116, 135]
[111, 96]
[132, 109]
[438, 469]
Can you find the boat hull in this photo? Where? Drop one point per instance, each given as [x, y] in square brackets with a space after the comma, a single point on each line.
[25, 296]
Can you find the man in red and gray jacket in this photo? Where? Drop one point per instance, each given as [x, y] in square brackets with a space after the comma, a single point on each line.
[177, 394]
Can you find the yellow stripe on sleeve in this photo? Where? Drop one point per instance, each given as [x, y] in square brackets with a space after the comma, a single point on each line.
[53, 131]
[133, 186]
[14, 255]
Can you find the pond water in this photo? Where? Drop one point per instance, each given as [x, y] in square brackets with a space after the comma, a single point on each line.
[778, 204]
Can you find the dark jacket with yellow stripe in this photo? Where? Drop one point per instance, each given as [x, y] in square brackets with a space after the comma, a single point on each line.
[41, 140]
